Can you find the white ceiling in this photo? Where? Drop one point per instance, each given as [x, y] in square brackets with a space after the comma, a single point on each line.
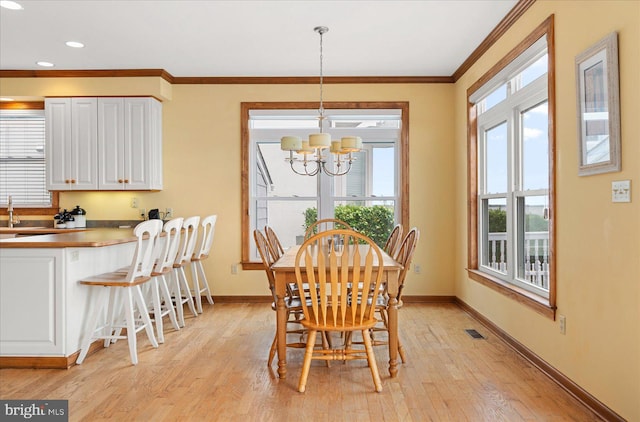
[249, 38]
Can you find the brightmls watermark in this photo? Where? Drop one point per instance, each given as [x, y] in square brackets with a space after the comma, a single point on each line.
[34, 410]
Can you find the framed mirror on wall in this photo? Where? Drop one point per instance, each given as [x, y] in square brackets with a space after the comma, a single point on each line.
[598, 106]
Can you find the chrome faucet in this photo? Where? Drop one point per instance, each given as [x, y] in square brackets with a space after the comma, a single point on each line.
[12, 219]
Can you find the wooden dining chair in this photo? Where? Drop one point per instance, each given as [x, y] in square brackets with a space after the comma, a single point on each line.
[343, 270]
[294, 310]
[120, 295]
[404, 256]
[275, 246]
[325, 224]
[201, 252]
[393, 241]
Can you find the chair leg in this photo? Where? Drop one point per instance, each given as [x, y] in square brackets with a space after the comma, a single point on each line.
[401, 351]
[157, 310]
[366, 336]
[175, 286]
[187, 292]
[93, 324]
[196, 287]
[308, 354]
[205, 283]
[114, 307]
[131, 325]
[272, 351]
[142, 309]
[166, 295]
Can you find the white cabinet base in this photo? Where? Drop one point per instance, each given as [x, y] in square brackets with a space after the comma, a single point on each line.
[43, 307]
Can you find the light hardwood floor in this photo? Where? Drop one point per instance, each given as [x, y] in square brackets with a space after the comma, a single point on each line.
[215, 369]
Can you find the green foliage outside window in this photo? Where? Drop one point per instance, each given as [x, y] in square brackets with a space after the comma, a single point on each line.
[375, 222]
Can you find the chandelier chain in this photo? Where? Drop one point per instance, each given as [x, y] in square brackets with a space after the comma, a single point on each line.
[321, 110]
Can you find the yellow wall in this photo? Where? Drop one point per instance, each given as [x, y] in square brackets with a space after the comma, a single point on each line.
[598, 245]
[598, 242]
[201, 150]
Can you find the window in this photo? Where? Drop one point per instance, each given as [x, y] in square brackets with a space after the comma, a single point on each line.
[22, 157]
[510, 147]
[274, 195]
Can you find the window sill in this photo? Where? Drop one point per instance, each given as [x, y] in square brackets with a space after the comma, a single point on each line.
[539, 304]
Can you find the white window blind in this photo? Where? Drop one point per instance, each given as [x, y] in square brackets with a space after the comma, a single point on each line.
[22, 159]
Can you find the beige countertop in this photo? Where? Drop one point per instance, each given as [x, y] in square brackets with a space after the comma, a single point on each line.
[68, 238]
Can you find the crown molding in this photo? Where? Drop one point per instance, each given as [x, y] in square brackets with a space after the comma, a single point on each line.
[514, 14]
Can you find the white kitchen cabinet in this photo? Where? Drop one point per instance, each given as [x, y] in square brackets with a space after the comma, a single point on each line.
[130, 143]
[71, 142]
[43, 307]
[104, 143]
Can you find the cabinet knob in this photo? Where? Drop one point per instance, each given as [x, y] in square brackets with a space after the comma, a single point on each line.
[66, 180]
[73, 181]
[120, 181]
[126, 180]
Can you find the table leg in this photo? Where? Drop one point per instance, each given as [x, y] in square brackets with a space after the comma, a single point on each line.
[392, 310]
[281, 328]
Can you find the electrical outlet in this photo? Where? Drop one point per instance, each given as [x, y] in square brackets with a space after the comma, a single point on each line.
[563, 324]
[417, 268]
[143, 213]
[168, 213]
[234, 269]
[134, 202]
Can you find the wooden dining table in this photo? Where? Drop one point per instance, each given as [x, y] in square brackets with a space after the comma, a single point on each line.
[284, 270]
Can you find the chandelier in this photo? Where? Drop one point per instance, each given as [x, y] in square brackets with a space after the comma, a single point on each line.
[311, 158]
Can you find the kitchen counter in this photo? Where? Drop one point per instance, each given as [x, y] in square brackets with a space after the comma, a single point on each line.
[43, 306]
[66, 238]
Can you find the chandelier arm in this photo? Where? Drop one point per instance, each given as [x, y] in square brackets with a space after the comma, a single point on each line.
[305, 167]
[337, 172]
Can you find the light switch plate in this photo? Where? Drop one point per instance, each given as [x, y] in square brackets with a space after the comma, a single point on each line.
[621, 191]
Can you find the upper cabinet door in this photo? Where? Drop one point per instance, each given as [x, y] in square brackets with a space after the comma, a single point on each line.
[71, 143]
[111, 143]
[130, 143]
[84, 139]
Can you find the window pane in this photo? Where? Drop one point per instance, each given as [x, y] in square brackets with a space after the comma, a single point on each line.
[535, 150]
[287, 218]
[533, 72]
[22, 159]
[496, 159]
[275, 178]
[498, 95]
[372, 218]
[533, 241]
[373, 172]
[494, 234]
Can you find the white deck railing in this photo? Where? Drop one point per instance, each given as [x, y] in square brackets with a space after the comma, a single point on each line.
[536, 265]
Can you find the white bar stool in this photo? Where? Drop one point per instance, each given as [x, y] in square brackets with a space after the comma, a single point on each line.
[181, 291]
[202, 252]
[167, 249]
[122, 289]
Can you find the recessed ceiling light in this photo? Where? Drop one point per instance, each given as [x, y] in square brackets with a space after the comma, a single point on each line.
[6, 99]
[44, 64]
[7, 4]
[74, 44]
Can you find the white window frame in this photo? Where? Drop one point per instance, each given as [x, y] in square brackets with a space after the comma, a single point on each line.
[326, 198]
[509, 111]
[14, 189]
